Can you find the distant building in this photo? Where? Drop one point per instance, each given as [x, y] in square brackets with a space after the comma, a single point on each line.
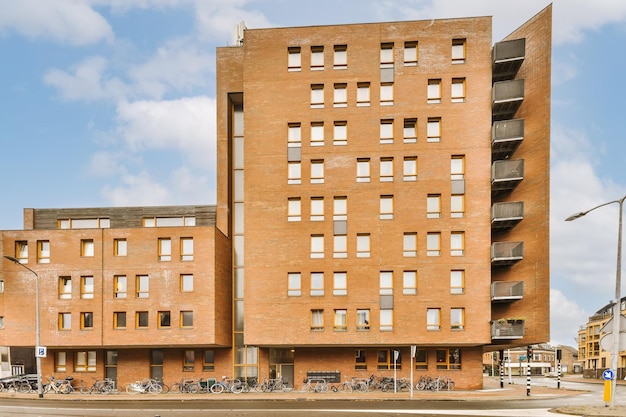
[593, 357]
[383, 191]
[542, 361]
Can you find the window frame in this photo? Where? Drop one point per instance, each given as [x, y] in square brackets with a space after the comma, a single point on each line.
[43, 251]
[294, 59]
[142, 286]
[165, 249]
[433, 319]
[186, 249]
[120, 247]
[65, 287]
[294, 284]
[340, 283]
[317, 284]
[87, 287]
[142, 317]
[409, 282]
[340, 57]
[86, 320]
[87, 248]
[117, 319]
[433, 130]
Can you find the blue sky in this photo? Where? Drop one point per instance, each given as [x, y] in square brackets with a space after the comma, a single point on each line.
[112, 103]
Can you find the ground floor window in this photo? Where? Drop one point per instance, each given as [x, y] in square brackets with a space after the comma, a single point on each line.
[85, 361]
[189, 360]
[389, 359]
[421, 359]
[449, 358]
[360, 359]
[208, 362]
[60, 362]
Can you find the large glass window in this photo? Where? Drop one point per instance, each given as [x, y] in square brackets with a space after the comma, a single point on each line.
[43, 251]
[65, 288]
[186, 249]
[87, 287]
[433, 319]
[165, 249]
[120, 286]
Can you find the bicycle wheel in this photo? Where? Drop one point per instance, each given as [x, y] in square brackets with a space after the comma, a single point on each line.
[217, 388]
[175, 388]
[155, 389]
[25, 387]
[237, 388]
[132, 389]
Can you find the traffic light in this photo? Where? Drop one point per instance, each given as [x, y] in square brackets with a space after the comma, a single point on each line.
[529, 352]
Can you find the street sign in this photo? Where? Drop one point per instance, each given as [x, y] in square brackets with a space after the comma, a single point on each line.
[606, 342]
[608, 375]
[41, 352]
[608, 326]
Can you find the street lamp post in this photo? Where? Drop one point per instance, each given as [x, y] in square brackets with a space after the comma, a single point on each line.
[37, 325]
[618, 284]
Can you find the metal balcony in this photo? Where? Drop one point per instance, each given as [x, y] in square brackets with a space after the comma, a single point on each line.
[507, 291]
[506, 253]
[507, 329]
[507, 96]
[506, 175]
[506, 137]
[505, 216]
[507, 57]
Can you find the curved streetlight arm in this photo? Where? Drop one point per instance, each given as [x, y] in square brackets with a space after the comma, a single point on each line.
[583, 213]
[37, 325]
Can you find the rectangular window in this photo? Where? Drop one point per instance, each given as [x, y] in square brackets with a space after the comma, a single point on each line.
[294, 173]
[120, 286]
[86, 320]
[386, 94]
[340, 283]
[1, 286]
[409, 283]
[433, 131]
[433, 319]
[186, 249]
[340, 246]
[21, 251]
[386, 169]
[421, 359]
[363, 94]
[449, 358]
[340, 133]
[409, 245]
[294, 284]
[165, 249]
[65, 321]
[433, 244]
[208, 360]
[317, 246]
[169, 221]
[386, 55]
[457, 206]
[457, 93]
[317, 96]
[119, 320]
[317, 209]
[317, 171]
[386, 283]
[43, 251]
[86, 287]
[317, 284]
[341, 321]
[186, 319]
[317, 134]
[363, 170]
[340, 208]
[186, 282]
[294, 135]
[294, 62]
[457, 167]
[386, 320]
[457, 282]
[86, 247]
[164, 319]
[386, 207]
[294, 210]
[65, 288]
[433, 206]
[409, 168]
[60, 362]
[363, 319]
[410, 131]
[360, 359]
[363, 245]
[341, 57]
[142, 286]
[317, 320]
[189, 360]
[410, 54]
[120, 247]
[141, 319]
[317, 58]
[434, 91]
[386, 131]
[457, 318]
[457, 243]
[85, 361]
[340, 97]
[458, 51]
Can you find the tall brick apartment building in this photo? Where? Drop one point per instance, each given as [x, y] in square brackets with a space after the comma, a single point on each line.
[383, 190]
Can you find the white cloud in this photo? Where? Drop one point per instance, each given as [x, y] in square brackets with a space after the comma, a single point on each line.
[133, 190]
[186, 124]
[565, 318]
[86, 81]
[217, 20]
[64, 21]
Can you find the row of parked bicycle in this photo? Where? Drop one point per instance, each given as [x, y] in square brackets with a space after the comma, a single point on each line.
[190, 386]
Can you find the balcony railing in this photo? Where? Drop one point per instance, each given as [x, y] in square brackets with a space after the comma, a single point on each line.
[506, 253]
[508, 57]
[506, 215]
[507, 291]
[506, 175]
[507, 96]
[507, 329]
[506, 136]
